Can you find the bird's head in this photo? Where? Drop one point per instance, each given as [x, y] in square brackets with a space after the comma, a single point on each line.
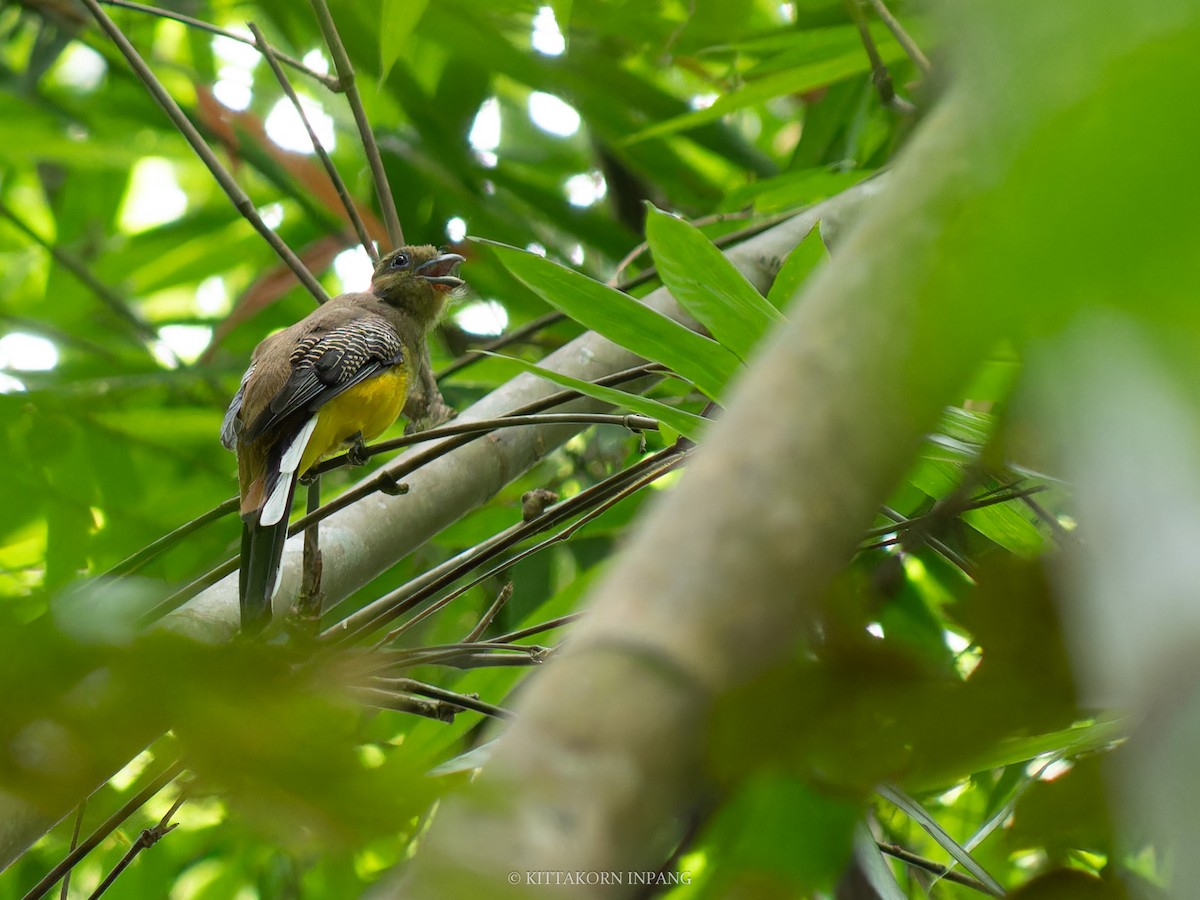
[417, 280]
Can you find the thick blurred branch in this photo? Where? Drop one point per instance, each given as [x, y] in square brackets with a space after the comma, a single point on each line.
[836, 405]
[369, 537]
[366, 538]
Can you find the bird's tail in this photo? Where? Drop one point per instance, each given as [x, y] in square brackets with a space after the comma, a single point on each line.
[264, 531]
[258, 580]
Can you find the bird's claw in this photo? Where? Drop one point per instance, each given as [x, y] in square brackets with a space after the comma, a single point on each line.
[356, 453]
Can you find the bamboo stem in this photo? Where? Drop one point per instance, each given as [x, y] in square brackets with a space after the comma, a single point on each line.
[341, 62]
[340, 186]
[240, 199]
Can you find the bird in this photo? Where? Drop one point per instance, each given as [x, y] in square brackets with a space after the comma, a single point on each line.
[338, 377]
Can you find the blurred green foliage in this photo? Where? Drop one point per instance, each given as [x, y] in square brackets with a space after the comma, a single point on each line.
[939, 662]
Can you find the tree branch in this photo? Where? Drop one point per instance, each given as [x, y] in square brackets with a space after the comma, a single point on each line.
[903, 38]
[240, 199]
[880, 75]
[68, 261]
[132, 805]
[328, 80]
[837, 402]
[341, 62]
[330, 169]
[370, 537]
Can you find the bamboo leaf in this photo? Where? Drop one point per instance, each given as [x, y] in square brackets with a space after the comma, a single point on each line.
[622, 319]
[800, 264]
[707, 284]
[686, 423]
[918, 814]
[398, 19]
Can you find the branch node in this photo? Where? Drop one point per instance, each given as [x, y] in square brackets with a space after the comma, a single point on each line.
[391, 485]
[534, 503]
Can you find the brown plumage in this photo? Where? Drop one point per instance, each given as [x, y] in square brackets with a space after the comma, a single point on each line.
[340, 375]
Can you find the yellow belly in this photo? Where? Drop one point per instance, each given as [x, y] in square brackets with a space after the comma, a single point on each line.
[368, 408]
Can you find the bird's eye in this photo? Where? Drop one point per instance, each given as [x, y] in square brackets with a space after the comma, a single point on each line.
[400, 261]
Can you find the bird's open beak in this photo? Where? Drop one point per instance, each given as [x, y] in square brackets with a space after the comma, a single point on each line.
[439, 272]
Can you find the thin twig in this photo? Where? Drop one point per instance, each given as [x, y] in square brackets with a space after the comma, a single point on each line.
[398, 701]
[328, 80]
[188, 591]
[615, 279]
[879, 545]
[330, 169]
[1004, 494]
[311, 599]
[104, 830]
[394, 604]
[68, 261]
[341, 62]
[1046, 516]
[466, 701]
[240, 199]
[136, 560]
[880, 75]
[468, 656]
[903, 38]
[607, 499]
[531, 630]
[387, 480]
[148, 838]
[485, 620]
[625, 262]
[488, 660]
[936, 544]
[66, 882]
[423, 586]
[381, 661]
[634, 423]
[513, 337]
[901, 525]
[928, 865]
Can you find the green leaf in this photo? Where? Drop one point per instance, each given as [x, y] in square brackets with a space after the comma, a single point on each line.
[781, 832]
[686, 423]
[622, 319]
[1078, 738]
[874, 867]
[1010, 524]
[801, 263]
[707, 284]
[795, 189]
[794, 80]
[918, 814]
[399, 18]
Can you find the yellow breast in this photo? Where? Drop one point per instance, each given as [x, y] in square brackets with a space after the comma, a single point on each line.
[368, 408]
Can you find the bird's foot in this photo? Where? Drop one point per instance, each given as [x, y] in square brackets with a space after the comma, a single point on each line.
[356, 453]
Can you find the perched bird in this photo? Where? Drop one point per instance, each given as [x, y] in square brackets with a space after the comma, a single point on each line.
[341, 375]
